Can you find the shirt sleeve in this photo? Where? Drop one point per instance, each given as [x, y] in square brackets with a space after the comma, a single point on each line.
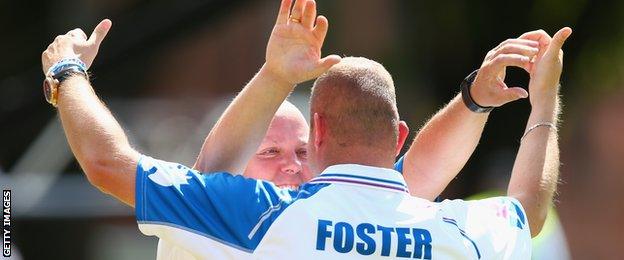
[495, 228]
[220, 206]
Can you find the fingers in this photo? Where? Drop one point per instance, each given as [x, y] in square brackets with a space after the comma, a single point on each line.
[309, 14]
[524, 47]
[297, 10]
[512, 52]
[515, 42]
[320, 30]
[100, 32]
[77, 33]
[284, 11]
[499, 63]
[511, 48]
[527, 42]
[538, 35]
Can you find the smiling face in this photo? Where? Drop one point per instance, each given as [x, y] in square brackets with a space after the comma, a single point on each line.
[282, 156]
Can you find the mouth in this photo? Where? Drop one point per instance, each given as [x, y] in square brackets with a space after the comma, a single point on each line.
[288, 186]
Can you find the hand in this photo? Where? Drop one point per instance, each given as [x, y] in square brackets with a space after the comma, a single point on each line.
[489, 88]
[548, 64]
[293, 53]
[75, 44]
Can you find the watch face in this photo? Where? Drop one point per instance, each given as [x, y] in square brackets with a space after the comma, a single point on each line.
[49, 90]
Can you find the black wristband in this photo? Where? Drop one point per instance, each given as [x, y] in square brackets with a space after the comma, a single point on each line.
[70, 71]
[468, 101]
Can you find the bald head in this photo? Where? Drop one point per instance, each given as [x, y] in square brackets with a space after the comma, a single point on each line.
[288, 119]
[288, 111]
[356, 98]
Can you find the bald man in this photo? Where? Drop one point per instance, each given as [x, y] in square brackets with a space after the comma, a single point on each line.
[281, 157]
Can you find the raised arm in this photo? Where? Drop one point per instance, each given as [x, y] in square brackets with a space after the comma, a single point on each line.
[95, 137]
[536, 169]
[443, 146]
[293, 56]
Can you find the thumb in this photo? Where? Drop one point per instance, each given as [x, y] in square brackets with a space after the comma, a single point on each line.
[559, 39]
[100, 32]
[515, 93]
[326, 63]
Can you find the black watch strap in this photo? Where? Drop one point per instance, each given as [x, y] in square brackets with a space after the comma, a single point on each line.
[69, 71]
[468, 101]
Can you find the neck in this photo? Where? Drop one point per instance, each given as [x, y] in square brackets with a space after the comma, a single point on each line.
[368, 157]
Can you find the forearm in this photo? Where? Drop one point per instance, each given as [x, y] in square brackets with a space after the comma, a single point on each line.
[243, 125]
[536, 169]
[293, 55]
[442, 148]
[97, 140]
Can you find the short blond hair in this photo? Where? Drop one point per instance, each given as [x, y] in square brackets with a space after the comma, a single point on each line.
[357, 98]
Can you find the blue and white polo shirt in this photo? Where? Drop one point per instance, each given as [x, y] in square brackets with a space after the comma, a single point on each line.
[348, 211]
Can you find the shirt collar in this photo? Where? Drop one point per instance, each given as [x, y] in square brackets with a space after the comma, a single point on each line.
[362, 175]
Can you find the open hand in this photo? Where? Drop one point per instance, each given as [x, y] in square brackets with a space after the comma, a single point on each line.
[293, 53]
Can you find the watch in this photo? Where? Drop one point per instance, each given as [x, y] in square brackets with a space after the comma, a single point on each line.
[54, 79]
[468, 101]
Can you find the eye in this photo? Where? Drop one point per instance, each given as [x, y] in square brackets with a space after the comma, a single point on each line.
[302, 153]
[269, 152]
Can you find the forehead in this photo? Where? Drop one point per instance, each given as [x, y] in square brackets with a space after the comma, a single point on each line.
[284, 129]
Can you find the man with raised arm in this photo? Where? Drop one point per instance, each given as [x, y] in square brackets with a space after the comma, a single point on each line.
[349, 210]
[441, 148]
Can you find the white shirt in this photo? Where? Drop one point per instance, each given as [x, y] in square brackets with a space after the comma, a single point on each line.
[348, 211]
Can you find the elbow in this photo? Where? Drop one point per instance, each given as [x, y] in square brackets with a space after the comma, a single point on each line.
[96, 170]
[113, 173]
[102, 166]
[536, 212]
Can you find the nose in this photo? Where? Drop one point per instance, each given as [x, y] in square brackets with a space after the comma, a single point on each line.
[291, 164]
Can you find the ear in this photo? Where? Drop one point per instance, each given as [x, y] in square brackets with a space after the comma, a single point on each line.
[403, 133]
[319, 129]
